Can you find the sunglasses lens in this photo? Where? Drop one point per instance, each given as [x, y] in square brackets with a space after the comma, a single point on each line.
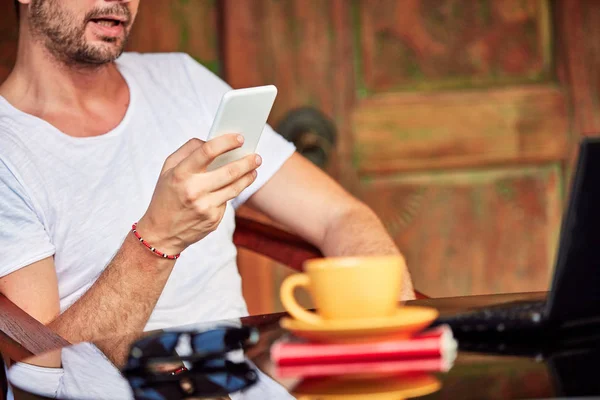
[229, 383]
[223, 339]
[212, 341]
[242, 337]
[162, 345]
[230, 377]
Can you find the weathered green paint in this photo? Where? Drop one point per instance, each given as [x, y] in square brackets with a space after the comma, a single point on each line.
[294, 27]
[505, 190]
[478, 202]
[457, 11]
[213, 65]
[184, 36]
[402, 133]
[464, 176]
[361, 89]
[463, 83]
[180, 13]
[485, 12]
[357, 160]
[546, 33]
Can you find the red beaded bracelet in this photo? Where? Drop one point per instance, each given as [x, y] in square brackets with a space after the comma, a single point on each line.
[178, 371]
[151, 248]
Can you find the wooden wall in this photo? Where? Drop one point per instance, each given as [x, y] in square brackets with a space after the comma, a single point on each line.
[8, 38]
[457, 119]
[453, 126]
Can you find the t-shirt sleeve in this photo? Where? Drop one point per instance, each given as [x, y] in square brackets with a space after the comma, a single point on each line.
[272, 147]
[23, 238]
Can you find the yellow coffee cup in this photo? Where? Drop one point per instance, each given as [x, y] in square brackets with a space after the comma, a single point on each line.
[346, 288]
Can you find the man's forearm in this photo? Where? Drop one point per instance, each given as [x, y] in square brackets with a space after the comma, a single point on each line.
[122, 298]
[358, 231]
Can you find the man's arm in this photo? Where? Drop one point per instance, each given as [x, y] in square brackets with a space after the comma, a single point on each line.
[122, 298]
[188, 203]
[106, 308]
[305, 199]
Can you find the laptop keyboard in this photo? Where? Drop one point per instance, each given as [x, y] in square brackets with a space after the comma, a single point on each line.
[514, 316]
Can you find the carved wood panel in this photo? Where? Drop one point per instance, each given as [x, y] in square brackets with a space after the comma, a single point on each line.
[424, 44]
[424, 131]
[473, 232]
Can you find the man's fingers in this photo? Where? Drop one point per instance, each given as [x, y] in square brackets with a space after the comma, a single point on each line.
[227, 174]
[181, 153]
[232, 190]
[198, 160]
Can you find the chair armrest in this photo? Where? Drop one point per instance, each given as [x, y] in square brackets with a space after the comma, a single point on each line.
[277, 244]
[273, 242]
[23, 336]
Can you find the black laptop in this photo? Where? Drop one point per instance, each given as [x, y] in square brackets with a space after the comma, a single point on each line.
[574, 297]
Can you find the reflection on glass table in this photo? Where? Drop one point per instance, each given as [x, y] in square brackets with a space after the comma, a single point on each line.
[483, 369]
[200, 361]
[155, 370]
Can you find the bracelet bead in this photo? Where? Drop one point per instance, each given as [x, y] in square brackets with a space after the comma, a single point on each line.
[150, 247]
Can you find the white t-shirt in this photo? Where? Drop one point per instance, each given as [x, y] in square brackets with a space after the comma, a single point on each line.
[76, 198]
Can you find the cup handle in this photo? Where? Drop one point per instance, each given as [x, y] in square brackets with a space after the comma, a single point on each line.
[289, 301]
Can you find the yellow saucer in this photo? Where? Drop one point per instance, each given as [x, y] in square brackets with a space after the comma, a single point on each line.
[407, 321]
[395, 388]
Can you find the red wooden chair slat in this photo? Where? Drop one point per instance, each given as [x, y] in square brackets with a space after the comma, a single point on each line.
[277, 244]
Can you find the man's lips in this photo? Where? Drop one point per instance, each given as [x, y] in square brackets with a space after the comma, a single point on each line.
[110, 17]
[108, 25]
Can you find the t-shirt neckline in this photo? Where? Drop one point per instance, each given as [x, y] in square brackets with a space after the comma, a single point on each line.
[116, 131]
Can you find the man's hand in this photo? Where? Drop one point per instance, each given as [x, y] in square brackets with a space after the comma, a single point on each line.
[189, 202]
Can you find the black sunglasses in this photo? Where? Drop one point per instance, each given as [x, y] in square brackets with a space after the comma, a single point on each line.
[208, 378]
[217, 341]
[211, 373]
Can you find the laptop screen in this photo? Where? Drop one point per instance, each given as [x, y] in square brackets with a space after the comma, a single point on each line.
[575, 292]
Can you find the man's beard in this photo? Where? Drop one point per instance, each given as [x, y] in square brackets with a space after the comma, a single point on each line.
[64, 36]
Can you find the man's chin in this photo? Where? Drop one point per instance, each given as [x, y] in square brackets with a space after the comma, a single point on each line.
[105, 48]
[105, 41]
[98, 54]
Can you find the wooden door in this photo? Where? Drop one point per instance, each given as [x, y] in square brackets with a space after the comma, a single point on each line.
[455, 119]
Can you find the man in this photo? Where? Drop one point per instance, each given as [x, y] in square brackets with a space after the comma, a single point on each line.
[92, 141]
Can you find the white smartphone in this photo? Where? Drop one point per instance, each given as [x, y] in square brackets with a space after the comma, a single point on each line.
[242, 111]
